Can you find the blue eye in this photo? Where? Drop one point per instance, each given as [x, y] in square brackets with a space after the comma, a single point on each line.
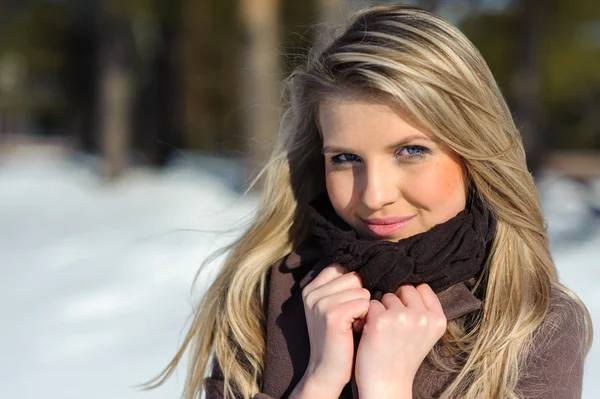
[412, 151]
[344, 158]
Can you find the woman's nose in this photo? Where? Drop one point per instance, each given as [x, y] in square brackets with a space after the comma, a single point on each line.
[378, 188]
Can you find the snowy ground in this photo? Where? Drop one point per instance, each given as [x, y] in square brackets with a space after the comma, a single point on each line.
[95, 279]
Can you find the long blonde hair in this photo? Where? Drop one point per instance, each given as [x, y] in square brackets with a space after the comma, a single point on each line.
[432, 71]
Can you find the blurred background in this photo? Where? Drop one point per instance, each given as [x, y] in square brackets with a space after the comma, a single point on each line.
[128, 130]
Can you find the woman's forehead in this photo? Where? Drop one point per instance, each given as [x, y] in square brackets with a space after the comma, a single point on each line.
[345, 118]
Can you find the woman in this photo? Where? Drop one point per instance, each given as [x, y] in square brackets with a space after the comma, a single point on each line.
[399, 248]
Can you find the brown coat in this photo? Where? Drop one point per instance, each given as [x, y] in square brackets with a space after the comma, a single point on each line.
[553, 370]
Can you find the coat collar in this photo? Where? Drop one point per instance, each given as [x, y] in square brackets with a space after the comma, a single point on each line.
[457, 301]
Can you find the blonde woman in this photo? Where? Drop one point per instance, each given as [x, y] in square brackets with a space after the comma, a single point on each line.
[399, 249]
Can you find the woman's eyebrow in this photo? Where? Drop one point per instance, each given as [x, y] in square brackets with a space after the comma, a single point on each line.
[391, 147]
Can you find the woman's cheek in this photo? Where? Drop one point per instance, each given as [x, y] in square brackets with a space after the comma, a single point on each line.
[438, 189]
[339, 188]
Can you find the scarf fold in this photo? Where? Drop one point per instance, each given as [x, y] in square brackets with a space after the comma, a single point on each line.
[447, 254]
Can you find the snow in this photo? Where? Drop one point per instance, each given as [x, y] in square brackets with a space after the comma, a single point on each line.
[95, 281]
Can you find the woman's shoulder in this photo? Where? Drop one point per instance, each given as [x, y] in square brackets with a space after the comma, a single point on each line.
[564, 328]
[554, 365]
[565, 316]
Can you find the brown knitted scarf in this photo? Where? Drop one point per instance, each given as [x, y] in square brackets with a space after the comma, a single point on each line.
[447, 254]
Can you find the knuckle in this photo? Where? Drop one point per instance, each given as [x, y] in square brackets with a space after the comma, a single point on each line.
[309, 299]
[306, 290]
[336, 266]
[407, 287]
[422, 286]
[402, 319]
[357, 279]
[364, 303]
[441, 322]
[387, 298]
[320, 306]
[380, 324]
[366, 293]
[353, 278]
[422, 321]
[332, 317]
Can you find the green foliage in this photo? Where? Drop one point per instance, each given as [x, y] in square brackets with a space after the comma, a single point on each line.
[31, 40]
[570, 52]
[33, 37]
[213, 43]
[568, 65]
[297, 32]
[35, 32]
[143, 9]
[211, 63]
[495, 36]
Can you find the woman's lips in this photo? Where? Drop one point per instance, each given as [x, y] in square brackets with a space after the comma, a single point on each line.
[386, 227]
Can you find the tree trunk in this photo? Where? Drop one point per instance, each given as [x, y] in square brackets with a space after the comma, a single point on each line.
[331, 11]
[526, 82]
[158, 130]
[115, 98]
[331, 15]
[260, 80]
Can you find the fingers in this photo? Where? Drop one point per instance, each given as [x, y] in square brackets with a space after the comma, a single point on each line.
[331, 280]
[392, 302]
[409, 296]
[333, 273]
[376, 309]
[344, 315]
[430, 299]
[359, 323]
[344, 296]
[353, 310]
[335, 288]
[327, 274]
[337, 295]
[343, 282]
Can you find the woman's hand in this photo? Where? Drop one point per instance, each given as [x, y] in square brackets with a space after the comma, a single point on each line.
[399, 332]
[332, 302]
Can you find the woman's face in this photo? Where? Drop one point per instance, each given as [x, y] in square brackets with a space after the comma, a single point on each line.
[385, 178]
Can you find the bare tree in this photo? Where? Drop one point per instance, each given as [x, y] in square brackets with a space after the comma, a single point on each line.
[261, 78]
[115, 95]
[331, 11]
[526, 81]
[158, 130]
